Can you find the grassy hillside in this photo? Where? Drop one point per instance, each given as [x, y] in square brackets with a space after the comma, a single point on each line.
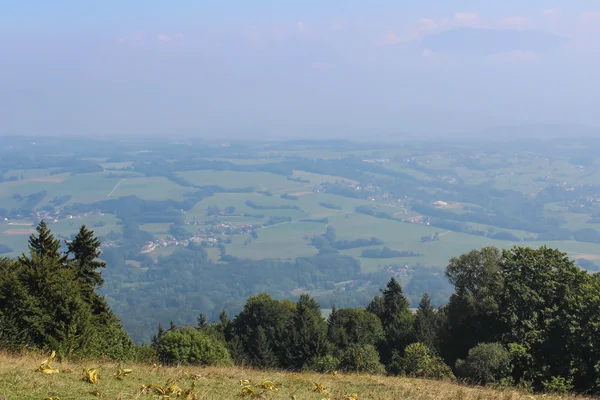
[19, 380]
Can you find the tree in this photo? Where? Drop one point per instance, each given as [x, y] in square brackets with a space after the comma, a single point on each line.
[202, 322]
[486, 363]
[273, 317]
[44, 244]
[224, 325]
[397, 321]
[472, 311]
[427, 324]
[307, 336]
[349, 326]
[376, 307]
[50, 307]
[357, 358]
[85, 249]
[261, 353]
[547, 307]
[190, 346]
[419, 362]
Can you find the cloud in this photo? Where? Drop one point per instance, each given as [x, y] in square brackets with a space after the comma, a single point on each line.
[164, 38]
[428, 23]
[423, 26]
[134, 38]
[301, 26]
[467, 18]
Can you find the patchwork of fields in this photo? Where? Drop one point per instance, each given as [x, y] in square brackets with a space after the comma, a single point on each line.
[291, 237]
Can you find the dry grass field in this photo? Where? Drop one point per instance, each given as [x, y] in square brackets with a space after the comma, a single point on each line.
[20, 380]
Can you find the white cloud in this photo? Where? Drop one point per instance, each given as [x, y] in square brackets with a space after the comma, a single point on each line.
[428, 23]
[466, 17]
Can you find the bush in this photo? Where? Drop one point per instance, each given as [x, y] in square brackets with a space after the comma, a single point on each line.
[486, 363]
[144, 354]
[358, 358]
[326, 363]
[558, 385]
[420, 362]
[190, 346]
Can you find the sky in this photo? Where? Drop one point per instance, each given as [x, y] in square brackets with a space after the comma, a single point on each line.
[283, 69]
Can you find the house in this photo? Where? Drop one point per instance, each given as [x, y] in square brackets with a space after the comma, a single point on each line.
[440, 204]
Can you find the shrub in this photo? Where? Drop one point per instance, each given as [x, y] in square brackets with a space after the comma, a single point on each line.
[558, 385]
[326, 363]
[190, 346]
[486, 363]
[420, 362]
[361, 359]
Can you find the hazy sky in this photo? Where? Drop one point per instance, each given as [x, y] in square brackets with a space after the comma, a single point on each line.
[340, 68]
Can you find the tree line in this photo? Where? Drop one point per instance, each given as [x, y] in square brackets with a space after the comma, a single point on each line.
[520, 316]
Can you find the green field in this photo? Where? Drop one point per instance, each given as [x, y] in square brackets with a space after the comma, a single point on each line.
[290, 239]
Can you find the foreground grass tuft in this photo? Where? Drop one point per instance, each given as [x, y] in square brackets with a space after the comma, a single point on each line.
[20, 379]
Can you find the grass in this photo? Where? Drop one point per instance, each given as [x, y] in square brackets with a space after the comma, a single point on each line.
[237, 179]
[19, 380]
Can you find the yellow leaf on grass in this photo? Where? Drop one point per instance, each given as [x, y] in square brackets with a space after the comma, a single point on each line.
[46, 365]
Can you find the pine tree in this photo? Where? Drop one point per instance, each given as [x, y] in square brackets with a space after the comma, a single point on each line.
[43, 244]
[397, 321]
[85, 249]
[224, 325]
[426, 324]
[54, 307]
[202, 322]
[261, 353]
[307, 335]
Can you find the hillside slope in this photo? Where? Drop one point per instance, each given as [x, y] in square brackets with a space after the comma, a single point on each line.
[19, 380]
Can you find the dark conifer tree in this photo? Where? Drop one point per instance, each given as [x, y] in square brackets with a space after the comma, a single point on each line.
[202, 322]
[261, 353]
[308, 334]
[397, 321]
[426, 324]
[42, 244]
[85, 249]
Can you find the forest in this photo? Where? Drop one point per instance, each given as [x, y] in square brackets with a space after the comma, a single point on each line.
[517, 317]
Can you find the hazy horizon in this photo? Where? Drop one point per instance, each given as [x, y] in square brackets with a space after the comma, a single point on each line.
[343, 69]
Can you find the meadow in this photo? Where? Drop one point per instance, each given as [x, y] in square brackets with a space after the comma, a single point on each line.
[291, 239]
[20, 380]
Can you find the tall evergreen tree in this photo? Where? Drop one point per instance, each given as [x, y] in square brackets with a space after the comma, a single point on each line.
[397, 321]
[224, 325]
[261, 353]
[427, 324]
[202, 322]
[42, 244]
[53, 308]
[307, 337]
[85, 249]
